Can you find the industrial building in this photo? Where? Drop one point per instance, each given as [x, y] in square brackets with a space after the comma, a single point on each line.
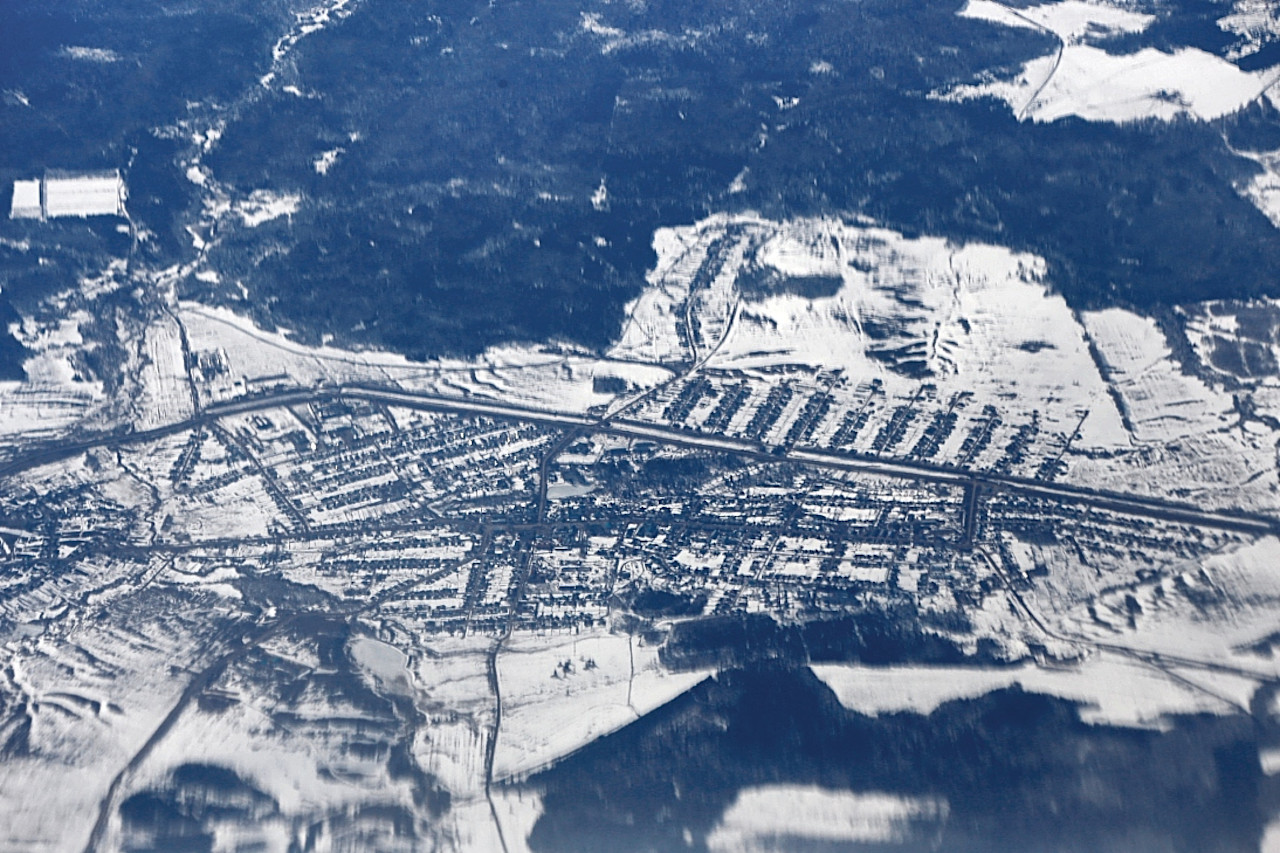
[62, 193]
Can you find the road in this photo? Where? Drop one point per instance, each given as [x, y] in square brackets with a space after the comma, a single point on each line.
[973, 482]
[903, 469]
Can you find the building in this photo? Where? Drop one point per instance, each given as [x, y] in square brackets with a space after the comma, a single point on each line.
[61, 193]
[26, 200]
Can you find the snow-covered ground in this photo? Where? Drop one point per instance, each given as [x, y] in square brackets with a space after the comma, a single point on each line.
[649, 332]
[1072, 21]
[1088, 82]
[95, 694]
[1113, 690]
[1220, 611]
[550, 710]
[537, 377]
[55, 397]
[1163, 404]
[1263, 189]
[1081, 79]
[165, 393]
[772, 817]
[1255, 23]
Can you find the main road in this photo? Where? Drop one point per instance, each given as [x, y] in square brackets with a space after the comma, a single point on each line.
[904, 469]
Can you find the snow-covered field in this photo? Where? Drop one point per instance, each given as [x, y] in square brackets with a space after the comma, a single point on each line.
[1218, 611]
[1084, 80]
[35, 412]
[773, 817]
[1162, 403]
[526, 375]
[1088, 82]
[95, 694]
[1073, 21]
[55, 397]
[166, 395]
[1113, 690]
[550, 710]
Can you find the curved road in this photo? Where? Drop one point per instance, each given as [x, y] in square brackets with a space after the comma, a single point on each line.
[1238, 521]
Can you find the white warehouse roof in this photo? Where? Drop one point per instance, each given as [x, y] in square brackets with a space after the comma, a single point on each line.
[83, 194]
[26, 200]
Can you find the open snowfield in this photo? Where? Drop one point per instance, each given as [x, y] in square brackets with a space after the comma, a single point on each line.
[550, 710]
[772, 817]
[1086, 81]
[165, 396]
[1113, 690]
[523, 375]
[1163, 404]
[55, 398]
[95, 694]
[1222, 610]
[1092, 84]
[35, 412]
[1072, 21]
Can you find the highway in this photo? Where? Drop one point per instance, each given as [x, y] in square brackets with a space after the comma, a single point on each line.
[974, 484]
[903, 469]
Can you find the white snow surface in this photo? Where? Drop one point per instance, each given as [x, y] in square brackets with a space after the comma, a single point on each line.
[1072, 21]
[1256, 23]
[533, 376]
[1163, 403]
[386, 664]
[1244, 590]
[1088, 82]
[54, 397]
[548, 712]
[165, 395]
[1263, 190]
[263, 206]
[1115, 690]
[1080, 79]
[773, 817]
